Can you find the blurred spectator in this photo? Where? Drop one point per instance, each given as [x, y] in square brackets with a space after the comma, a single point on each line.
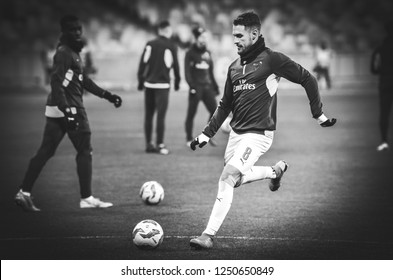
[323, 57]
[382, 65]
[198, 66]
[88, 65]
[158, 58]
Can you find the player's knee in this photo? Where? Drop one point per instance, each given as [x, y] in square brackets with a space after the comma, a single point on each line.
[87, 153]
[231, 175]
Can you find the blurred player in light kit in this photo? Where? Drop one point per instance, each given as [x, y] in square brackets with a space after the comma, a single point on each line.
[323, 57]
[66, 114]
[251, 95]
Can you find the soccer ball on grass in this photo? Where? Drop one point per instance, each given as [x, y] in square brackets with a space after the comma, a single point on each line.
[152, 192]
[147, 235]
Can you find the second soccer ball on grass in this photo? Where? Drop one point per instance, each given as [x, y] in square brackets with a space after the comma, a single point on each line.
[152, 192]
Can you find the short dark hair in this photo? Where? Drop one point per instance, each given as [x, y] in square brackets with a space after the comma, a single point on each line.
[65, 20]
[249, 20]
[197, 31]
[163, 24]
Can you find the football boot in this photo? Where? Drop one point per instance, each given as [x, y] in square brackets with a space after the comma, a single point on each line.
[279, 169]
[25, 202]
[92, 202]
[162, 149]
[204, 241]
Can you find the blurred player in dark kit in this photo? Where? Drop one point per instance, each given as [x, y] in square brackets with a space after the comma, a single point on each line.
[198, 66]
[158, 58]
[382, 64]
[66, 114]
[251, 95]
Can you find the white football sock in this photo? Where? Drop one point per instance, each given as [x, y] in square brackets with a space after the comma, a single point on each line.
[220, 208]
[257, 173]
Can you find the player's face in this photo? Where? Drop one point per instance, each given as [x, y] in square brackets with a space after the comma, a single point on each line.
[166, 32]
[74, 31]
[242, 38]
[202, 40]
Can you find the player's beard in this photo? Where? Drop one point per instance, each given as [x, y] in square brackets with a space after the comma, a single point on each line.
[75, 45]
[251, 52]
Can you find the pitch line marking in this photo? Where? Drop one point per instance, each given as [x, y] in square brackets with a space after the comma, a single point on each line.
[193, 236]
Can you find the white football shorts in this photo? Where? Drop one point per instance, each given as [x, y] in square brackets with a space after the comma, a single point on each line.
[244, 150]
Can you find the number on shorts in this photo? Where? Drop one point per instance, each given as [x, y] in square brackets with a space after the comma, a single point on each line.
[247, 153]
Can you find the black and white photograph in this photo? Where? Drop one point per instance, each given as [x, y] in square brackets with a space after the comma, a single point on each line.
[197, 132]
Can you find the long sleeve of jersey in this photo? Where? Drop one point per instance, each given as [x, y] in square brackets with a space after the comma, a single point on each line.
[60, 77]
[211, 72]
[176, 69]
[285, 67]
[222, 111]
[141, 68]
[92, 87]
[188, 63]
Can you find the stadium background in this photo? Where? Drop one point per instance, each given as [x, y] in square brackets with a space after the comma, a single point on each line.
[117, 31]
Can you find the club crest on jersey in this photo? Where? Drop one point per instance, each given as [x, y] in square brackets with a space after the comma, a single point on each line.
[243, 85]
[256, 65]
[206, 55]
[202, 65]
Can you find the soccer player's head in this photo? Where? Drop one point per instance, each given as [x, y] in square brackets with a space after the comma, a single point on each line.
[200, 37]
[165, 29]
[246, 31]
[71, 29]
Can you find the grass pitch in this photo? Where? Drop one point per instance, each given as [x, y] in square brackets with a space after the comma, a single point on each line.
[335, 202]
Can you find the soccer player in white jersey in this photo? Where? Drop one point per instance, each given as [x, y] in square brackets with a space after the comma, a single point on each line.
[251, 95]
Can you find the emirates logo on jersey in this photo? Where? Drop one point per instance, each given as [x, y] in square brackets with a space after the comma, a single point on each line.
[243, 86]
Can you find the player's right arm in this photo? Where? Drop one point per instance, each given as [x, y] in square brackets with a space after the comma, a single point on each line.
[176, 68]
[142, 65]
[188, 64]
[220, 114]
[222, 111]
[212, 77]
[61, 78]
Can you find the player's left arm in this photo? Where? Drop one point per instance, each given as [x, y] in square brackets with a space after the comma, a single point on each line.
[92, 87]
[285, 67]
[176, 68]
